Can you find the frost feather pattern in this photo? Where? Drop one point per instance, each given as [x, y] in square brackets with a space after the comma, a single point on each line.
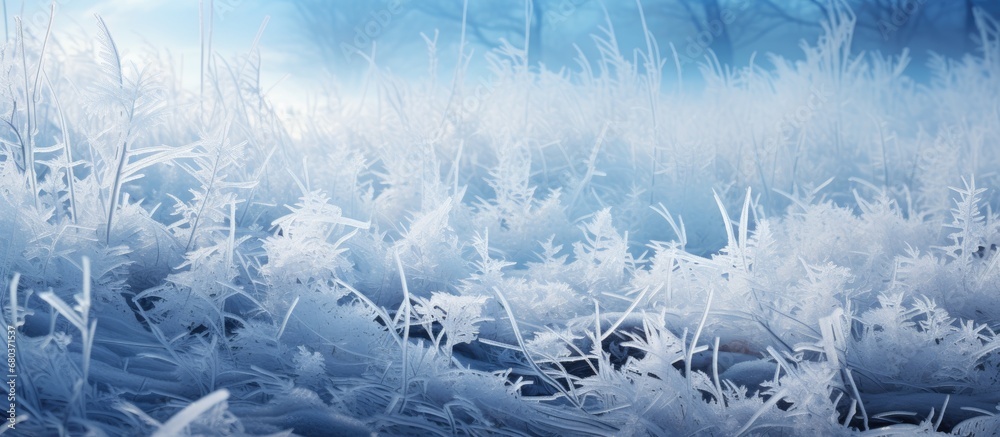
[579, 253]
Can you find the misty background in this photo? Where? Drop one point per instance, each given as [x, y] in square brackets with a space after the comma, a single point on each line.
[331, 45]
[558, 32]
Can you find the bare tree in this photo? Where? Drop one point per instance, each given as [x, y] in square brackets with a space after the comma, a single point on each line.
[345, 30]
[488, 22]
[898, 24]
[723, 26]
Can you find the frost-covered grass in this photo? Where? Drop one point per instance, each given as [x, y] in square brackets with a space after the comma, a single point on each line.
[803, 248]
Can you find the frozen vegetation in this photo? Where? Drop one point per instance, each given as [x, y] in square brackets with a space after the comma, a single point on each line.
[802, 248]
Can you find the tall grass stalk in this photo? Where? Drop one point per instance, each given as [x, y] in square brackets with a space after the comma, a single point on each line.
[216, 164]
[177, 424]
[527, 354]
[697, 335]
[31, 103]
[79, 317]
[67, 149]
[406, 330]
[13, 299]
[27, 145]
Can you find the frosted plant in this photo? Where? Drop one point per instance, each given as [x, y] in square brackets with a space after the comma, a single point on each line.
[310, 367]
[214, 159]
[462, 256]
[602, 259]
[194, 296]
[130, 103]
[968, 222]
[458, 317]
[431, 247]
[307, 253]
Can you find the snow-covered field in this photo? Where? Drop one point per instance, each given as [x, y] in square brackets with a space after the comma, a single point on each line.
[803, 248]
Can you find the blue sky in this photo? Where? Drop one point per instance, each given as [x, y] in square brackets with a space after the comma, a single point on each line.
[173, 26]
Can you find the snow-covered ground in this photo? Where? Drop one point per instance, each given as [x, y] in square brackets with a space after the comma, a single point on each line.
[801, 247]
